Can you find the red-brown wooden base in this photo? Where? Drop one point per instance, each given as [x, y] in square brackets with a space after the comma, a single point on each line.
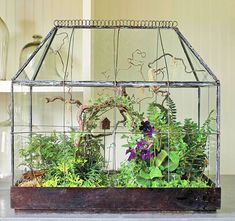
[115, 199]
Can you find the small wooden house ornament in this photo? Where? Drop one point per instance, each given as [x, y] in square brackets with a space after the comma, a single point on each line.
[105, 124]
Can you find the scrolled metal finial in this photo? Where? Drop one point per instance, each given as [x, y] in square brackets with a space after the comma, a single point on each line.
[116, 23]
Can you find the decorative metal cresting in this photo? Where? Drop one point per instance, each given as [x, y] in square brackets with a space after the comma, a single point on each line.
[116, 23]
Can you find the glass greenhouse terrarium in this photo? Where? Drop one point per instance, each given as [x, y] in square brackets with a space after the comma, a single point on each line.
[134, 124]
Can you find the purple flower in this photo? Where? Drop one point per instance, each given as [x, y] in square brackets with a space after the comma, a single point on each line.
[147, 128]
[150, 132]
[145, 125]
[141, 143]
[146, 154]
[132, 153]
[143, 150]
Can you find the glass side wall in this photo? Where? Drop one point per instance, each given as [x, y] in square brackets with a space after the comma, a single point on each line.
[121, 136]
[106, 135]
[21, 125]
[208, 108]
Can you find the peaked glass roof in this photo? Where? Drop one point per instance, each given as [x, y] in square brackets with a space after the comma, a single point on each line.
[121, 51]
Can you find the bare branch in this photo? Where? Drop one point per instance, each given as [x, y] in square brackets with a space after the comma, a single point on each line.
[70, 101]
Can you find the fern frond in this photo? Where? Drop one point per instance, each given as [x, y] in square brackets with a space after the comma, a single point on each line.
[171, 108]
[206, 127]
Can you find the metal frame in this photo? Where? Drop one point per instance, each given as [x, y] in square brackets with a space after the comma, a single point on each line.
[164, 84]
[12, 134]
[119, 24]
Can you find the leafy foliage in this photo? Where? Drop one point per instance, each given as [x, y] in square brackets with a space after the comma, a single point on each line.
[56, 155]
[180, 149]
[195, 158]
[165, 153]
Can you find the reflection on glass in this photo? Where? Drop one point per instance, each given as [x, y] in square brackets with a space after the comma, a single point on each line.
[49, 69]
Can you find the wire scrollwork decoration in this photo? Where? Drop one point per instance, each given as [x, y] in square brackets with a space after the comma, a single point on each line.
[116, 23]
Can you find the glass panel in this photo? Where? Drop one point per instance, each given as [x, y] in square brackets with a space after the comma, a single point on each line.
[211, 159]
[136, 48]
[21, 108]
[178, 65]
[208, 117]
[5, 138]
[30, 69]
[59, 59]
[103, 48]
[199, 70]
[21, 126]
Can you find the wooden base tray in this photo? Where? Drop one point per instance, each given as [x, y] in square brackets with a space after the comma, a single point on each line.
[116, 199]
